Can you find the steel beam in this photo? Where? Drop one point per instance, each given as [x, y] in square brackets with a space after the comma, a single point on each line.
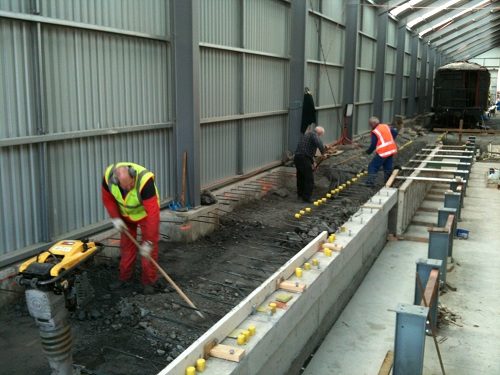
[378, 97]
[352, 9]
[443, 214]
[424, 268]
[430, 78]
[409, 344]
[186, 51]
[441, 246]
[422, 94]
[453, 200]
[400, 59]
[297, 70]
[412, 85]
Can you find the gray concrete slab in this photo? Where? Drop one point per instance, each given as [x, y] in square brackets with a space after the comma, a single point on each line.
[364, 332]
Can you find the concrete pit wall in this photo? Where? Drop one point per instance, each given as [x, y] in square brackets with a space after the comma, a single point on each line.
[284, 340]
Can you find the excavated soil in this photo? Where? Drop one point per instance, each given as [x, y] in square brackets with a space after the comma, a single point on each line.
[126, 332]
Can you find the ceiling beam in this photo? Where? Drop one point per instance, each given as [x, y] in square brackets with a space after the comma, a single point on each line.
[461, 17]
[479, 49]
[482, 15]
[471, 45]
[483, 26]
[476, 36]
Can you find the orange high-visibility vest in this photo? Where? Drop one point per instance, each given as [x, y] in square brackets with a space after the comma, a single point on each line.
[385, 142]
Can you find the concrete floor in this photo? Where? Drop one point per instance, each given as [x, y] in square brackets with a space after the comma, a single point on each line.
[364, 332]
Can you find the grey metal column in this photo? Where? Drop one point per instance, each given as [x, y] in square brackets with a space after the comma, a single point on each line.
[439, 247]
[409, 341]
[297, 70]
[350, 58]
[46, 219]
[241, 91]
[378, 98]
[400, 60]
[424, 268]
[412, 84]
[453, 200]
[430, 87]
[185, 21]
[422, 92]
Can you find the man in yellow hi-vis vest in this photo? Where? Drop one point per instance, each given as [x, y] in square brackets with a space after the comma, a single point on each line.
[131, 198]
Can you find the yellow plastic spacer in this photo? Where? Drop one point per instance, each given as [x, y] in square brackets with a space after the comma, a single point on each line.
[307, 266]
[308, 209]
[328, 195]
[297, 216]
[190, 370]
[200, 364]
[302, 212]
[251, 329]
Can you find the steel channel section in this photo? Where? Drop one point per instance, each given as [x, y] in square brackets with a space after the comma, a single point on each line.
[400, 55]
[453, 200]
[430, 86]
[186, 51]
[352, 10]
[297, 70]
[378, 97]
[439, 247]
[443, 214]
[412, 84]
[422, 98]
[424, 268]
[409, 344]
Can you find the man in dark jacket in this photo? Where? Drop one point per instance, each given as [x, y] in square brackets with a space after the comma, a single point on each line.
[304, 161]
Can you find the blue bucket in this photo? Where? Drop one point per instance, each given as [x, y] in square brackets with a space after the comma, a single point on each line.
[462, 233]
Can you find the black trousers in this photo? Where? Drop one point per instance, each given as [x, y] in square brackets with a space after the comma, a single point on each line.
[305, 176]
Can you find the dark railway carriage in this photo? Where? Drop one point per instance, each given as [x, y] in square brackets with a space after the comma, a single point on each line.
[460, 92]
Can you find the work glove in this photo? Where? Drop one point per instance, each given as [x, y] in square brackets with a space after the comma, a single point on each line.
[119, 224]
[146, 248]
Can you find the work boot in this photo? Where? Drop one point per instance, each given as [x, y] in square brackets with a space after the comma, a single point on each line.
[148, 290]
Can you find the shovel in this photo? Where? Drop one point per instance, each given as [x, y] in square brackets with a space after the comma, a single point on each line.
[165, 275]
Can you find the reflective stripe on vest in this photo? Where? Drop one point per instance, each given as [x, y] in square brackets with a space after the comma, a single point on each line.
[131, 205]
[385, 142]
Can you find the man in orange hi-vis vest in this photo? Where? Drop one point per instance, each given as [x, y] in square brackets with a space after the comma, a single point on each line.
[383, 142]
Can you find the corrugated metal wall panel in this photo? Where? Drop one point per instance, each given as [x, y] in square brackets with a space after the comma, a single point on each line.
[334, 9]
[391, 33]
[220, 82]
[18, 6]
[147, 16]
[388, 111]
[312, 51]
[329, 95]
[390, 60]
[363, 113]
[266, 84]
[219, 150]
[329, 119]
[264, 141]
[90, 80]
[267, 26]
[332, 39]
[366, 86]
[368, 19]
[311, 79]
[389, 84]
[367, 48]
[77, 167]
[17, 110]
[20, 217]
[220, 22]
[96, 80]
